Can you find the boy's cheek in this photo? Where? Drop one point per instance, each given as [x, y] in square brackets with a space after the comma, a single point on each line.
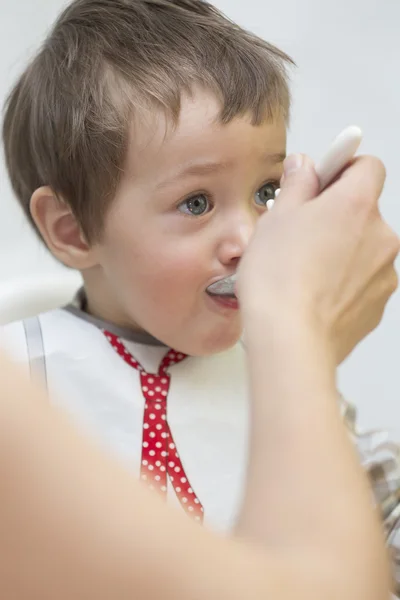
[157, 269]
[179, 263]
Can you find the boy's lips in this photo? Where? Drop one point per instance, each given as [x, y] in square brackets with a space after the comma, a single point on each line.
[225, 302]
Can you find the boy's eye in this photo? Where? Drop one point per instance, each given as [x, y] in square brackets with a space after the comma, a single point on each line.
[196, 205]
[266, 192]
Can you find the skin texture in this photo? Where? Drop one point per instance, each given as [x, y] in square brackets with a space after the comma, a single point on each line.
[157, 255]
[306, 529]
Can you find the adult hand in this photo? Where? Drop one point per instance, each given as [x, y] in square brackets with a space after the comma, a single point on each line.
[326, 259]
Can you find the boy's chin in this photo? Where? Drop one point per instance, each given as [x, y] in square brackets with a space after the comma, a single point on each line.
[204, 339]
[213, 345]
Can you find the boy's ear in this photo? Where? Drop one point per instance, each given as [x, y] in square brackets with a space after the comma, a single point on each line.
[60, 230]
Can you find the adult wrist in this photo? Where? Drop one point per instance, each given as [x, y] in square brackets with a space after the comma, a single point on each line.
[286, 331]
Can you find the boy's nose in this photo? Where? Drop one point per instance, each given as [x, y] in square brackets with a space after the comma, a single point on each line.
[236, 239]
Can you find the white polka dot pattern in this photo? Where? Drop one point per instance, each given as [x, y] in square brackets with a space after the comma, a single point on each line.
[160, 458]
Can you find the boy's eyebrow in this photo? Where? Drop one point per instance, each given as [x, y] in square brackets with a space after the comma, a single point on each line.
[275, 158]
[206, 168]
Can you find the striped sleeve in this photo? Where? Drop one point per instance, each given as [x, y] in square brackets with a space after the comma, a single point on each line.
[380, 456]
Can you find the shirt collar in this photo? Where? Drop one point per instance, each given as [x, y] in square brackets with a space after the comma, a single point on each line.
[77, 308]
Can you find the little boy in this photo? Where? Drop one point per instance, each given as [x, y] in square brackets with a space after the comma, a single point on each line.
[143, 142]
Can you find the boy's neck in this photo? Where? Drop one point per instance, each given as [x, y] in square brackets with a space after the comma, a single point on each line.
[80, 308]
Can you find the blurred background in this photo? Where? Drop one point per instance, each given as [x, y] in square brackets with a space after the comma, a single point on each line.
[347, 54]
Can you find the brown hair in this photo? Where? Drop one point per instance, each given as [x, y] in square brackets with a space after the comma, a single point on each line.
[67, 119]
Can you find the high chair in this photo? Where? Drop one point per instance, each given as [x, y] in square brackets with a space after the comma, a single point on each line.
[27, 297]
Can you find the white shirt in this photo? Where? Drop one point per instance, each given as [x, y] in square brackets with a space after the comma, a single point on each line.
[207, 403]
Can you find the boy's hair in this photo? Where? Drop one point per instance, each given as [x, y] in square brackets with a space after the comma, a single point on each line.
[67, 119]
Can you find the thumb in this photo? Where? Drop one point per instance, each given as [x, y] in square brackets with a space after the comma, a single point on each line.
[299, 182]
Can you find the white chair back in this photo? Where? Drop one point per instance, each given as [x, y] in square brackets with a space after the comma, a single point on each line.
[23, 298]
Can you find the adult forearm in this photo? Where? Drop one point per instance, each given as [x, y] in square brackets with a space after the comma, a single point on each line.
[75, 525]
[306, 488]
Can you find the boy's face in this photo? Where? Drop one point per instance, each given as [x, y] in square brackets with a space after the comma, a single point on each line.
[183, 215]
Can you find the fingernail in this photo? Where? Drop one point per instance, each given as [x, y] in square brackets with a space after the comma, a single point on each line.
[293, 163]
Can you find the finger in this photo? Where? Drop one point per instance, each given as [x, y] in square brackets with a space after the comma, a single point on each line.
[380, 289]
[390, 244]
[359, 186]
[299, 182]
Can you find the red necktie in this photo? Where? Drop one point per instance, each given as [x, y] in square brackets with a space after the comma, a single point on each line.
[160, 458]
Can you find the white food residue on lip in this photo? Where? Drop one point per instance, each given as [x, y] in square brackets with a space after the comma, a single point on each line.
[223, 287]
